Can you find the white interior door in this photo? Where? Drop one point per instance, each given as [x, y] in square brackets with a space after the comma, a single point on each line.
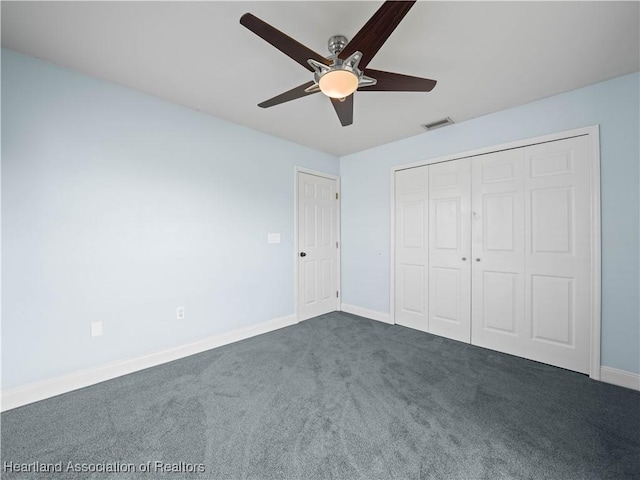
[317, 246]
[532, 237]
[412, 251]
[558, 253]
[449, 250]
[498, 276]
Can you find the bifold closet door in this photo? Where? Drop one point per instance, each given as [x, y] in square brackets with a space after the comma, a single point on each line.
[498, 251]
[449, 250]
[558, 246]
[411, 248]
[532, 234]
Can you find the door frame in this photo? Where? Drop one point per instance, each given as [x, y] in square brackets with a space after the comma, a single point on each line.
[296, 264]
[593, 133]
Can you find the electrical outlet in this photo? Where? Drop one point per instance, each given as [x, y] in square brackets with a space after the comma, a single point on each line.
[180, 313]
[96, 329]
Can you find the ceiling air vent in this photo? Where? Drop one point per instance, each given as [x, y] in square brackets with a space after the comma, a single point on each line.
[437, 124]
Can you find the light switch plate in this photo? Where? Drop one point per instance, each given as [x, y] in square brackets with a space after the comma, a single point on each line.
[273, 238]
[96, 329]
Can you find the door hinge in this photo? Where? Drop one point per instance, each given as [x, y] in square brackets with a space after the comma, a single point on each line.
[337, 245]
[337, 195]
[336, 294]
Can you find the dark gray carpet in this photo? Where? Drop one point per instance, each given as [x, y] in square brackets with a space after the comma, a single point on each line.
[338, 397]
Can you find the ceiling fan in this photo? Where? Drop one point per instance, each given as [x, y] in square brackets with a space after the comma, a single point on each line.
[339, 75]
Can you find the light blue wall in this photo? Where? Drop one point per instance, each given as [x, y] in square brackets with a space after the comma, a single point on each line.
[613, 104]
[118, 207]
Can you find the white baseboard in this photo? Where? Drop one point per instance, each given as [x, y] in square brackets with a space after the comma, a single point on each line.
[33, 392]
[366, 313]
[19, 396]
[622, 378]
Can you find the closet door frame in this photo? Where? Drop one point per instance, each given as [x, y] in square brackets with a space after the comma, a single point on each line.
[593, 134]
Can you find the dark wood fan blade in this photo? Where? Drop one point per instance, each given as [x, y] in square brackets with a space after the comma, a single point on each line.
[396, 82]
[344, 109]
[287, 45]
[292, 94]
[376, 31]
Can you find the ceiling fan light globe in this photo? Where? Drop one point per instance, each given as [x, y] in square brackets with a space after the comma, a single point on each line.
[338, 83]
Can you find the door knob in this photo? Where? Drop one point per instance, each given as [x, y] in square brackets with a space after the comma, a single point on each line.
[477, 259]
[464, 259]
[302, 254]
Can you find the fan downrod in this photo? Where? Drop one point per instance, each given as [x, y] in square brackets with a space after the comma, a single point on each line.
[336, 44]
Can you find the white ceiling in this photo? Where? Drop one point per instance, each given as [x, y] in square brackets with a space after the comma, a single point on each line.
[486, 56]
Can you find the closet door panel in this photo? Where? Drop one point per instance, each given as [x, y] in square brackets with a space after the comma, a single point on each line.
[449, 249]
[558, 253]
[411, 252]
[497, 181]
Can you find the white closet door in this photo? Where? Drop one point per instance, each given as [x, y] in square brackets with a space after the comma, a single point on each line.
[558, 253]
[449, 250]
[411, 252]
[498, 277]
[532, 235]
